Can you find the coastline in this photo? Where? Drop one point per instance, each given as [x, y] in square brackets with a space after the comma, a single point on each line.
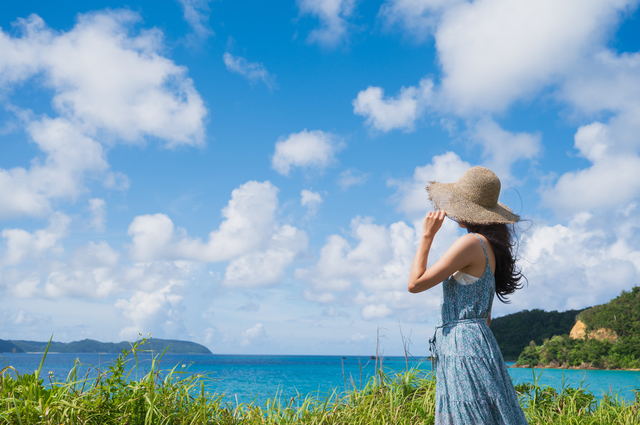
[583, 366]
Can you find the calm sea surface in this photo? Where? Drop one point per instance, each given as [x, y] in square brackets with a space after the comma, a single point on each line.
[249, 378]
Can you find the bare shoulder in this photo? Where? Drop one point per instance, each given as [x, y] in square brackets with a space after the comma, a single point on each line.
[466, 241]
[464, 245]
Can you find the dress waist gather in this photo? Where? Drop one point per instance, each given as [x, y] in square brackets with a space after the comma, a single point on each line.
[449, 324]
[461, 321]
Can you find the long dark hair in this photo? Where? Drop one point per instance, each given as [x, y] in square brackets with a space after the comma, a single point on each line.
[503, 240]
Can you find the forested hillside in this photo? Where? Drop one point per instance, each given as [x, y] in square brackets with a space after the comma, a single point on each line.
[612, 340]
[621, 315]
[92, 346]
[515, 331]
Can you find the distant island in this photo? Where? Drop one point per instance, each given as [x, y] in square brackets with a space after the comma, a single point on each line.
[91, 346]
[606, 336]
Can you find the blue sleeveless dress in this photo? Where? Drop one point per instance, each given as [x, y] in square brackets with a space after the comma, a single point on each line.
[473, 385]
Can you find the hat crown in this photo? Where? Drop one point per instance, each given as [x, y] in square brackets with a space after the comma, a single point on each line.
[480, 186]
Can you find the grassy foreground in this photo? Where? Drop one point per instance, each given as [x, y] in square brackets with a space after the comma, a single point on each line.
[113, 396]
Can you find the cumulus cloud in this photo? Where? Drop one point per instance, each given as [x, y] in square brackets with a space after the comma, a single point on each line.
[70, 156]
[126, 92]
[196, 13]
[401, 112]
[249, 236]
[610, 82]
[307, 149]
[268, 266]
[501, 148]
[252, 71]
[151, 293]
[21, 244]
[493, 52]
[128, 89]
[611, 181]
[89, 272]
[418, 17]
[381, 259]
[159, 312]
[333, 16]
[590, 259]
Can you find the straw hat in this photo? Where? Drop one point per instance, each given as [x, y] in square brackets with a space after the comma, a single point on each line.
[472, 199]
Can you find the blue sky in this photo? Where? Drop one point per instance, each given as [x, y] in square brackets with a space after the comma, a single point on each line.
[250, 175]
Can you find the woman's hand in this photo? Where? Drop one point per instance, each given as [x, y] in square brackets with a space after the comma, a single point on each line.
[432, 223]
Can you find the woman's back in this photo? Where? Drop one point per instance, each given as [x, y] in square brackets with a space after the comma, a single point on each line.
[472, 299]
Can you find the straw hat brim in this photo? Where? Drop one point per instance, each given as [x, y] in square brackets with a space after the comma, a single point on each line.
[444, 197]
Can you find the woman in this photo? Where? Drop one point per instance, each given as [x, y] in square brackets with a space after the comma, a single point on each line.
[473, 385]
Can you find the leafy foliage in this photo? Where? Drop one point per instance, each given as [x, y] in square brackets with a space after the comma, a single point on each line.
[621, 314]
[515, 331]
[170, 397]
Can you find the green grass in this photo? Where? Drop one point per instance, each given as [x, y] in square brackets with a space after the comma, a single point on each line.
[113, 396]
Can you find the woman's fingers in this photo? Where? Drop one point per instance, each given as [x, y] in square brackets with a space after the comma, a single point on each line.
[433, 222]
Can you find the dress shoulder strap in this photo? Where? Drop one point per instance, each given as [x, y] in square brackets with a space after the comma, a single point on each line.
[486, 257]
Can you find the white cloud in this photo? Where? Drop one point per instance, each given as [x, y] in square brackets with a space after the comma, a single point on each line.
[612, 180]
[411, 195]
[249, 223]
[157, 304]
[98, 211]
[70, 156]
[127, 89]
[267, 267]
[196, 13]
[250, 237]
[151, 236]
[253, 334]
[358, 337]
[493, 52]
[22, 244]
[418, 17]
[608, 82]
[159, 312]
[307, 149]
[351, 177]
[311, 200]
[375, 311]
[502, 148]
[381, 259]
[252, 71]
[588, 261]
[89, 272]
[400, 112]
[108, 85]
[333, 16]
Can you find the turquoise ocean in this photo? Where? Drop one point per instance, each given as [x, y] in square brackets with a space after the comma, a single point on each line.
[256, 378]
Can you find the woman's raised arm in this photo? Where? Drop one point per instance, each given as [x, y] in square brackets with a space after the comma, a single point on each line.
[457, 257]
